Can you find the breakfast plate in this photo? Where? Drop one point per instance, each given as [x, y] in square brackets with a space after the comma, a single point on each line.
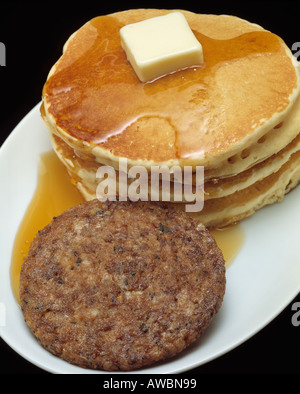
[261, 281]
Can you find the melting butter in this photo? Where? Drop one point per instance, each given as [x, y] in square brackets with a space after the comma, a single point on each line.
[160, 45]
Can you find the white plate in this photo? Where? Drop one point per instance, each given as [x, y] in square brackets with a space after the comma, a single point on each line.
[261, 282]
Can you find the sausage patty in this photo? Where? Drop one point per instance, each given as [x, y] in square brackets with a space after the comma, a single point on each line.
[121, 285]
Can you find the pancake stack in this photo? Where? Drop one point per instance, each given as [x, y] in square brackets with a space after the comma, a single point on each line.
[238, 115]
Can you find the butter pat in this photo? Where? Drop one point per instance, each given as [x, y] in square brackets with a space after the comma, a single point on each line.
[160, 45]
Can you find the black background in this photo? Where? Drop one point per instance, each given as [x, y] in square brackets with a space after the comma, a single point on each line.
[34, 33]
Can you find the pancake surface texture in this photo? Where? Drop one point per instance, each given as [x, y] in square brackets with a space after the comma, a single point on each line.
[122, 285]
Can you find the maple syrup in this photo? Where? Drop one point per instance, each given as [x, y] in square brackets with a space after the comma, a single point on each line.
[230, 240]
[95, 94]
[55, 193]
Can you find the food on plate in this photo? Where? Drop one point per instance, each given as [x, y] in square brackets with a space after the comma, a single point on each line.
[121, 285]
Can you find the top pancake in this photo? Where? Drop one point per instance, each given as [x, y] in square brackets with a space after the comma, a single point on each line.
[198, 116]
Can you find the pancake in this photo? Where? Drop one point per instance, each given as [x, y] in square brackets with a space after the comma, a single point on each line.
[84, 171]
[238, 115]
[97, 104]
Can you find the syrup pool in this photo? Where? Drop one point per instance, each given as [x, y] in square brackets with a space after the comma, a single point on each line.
[54, 194]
